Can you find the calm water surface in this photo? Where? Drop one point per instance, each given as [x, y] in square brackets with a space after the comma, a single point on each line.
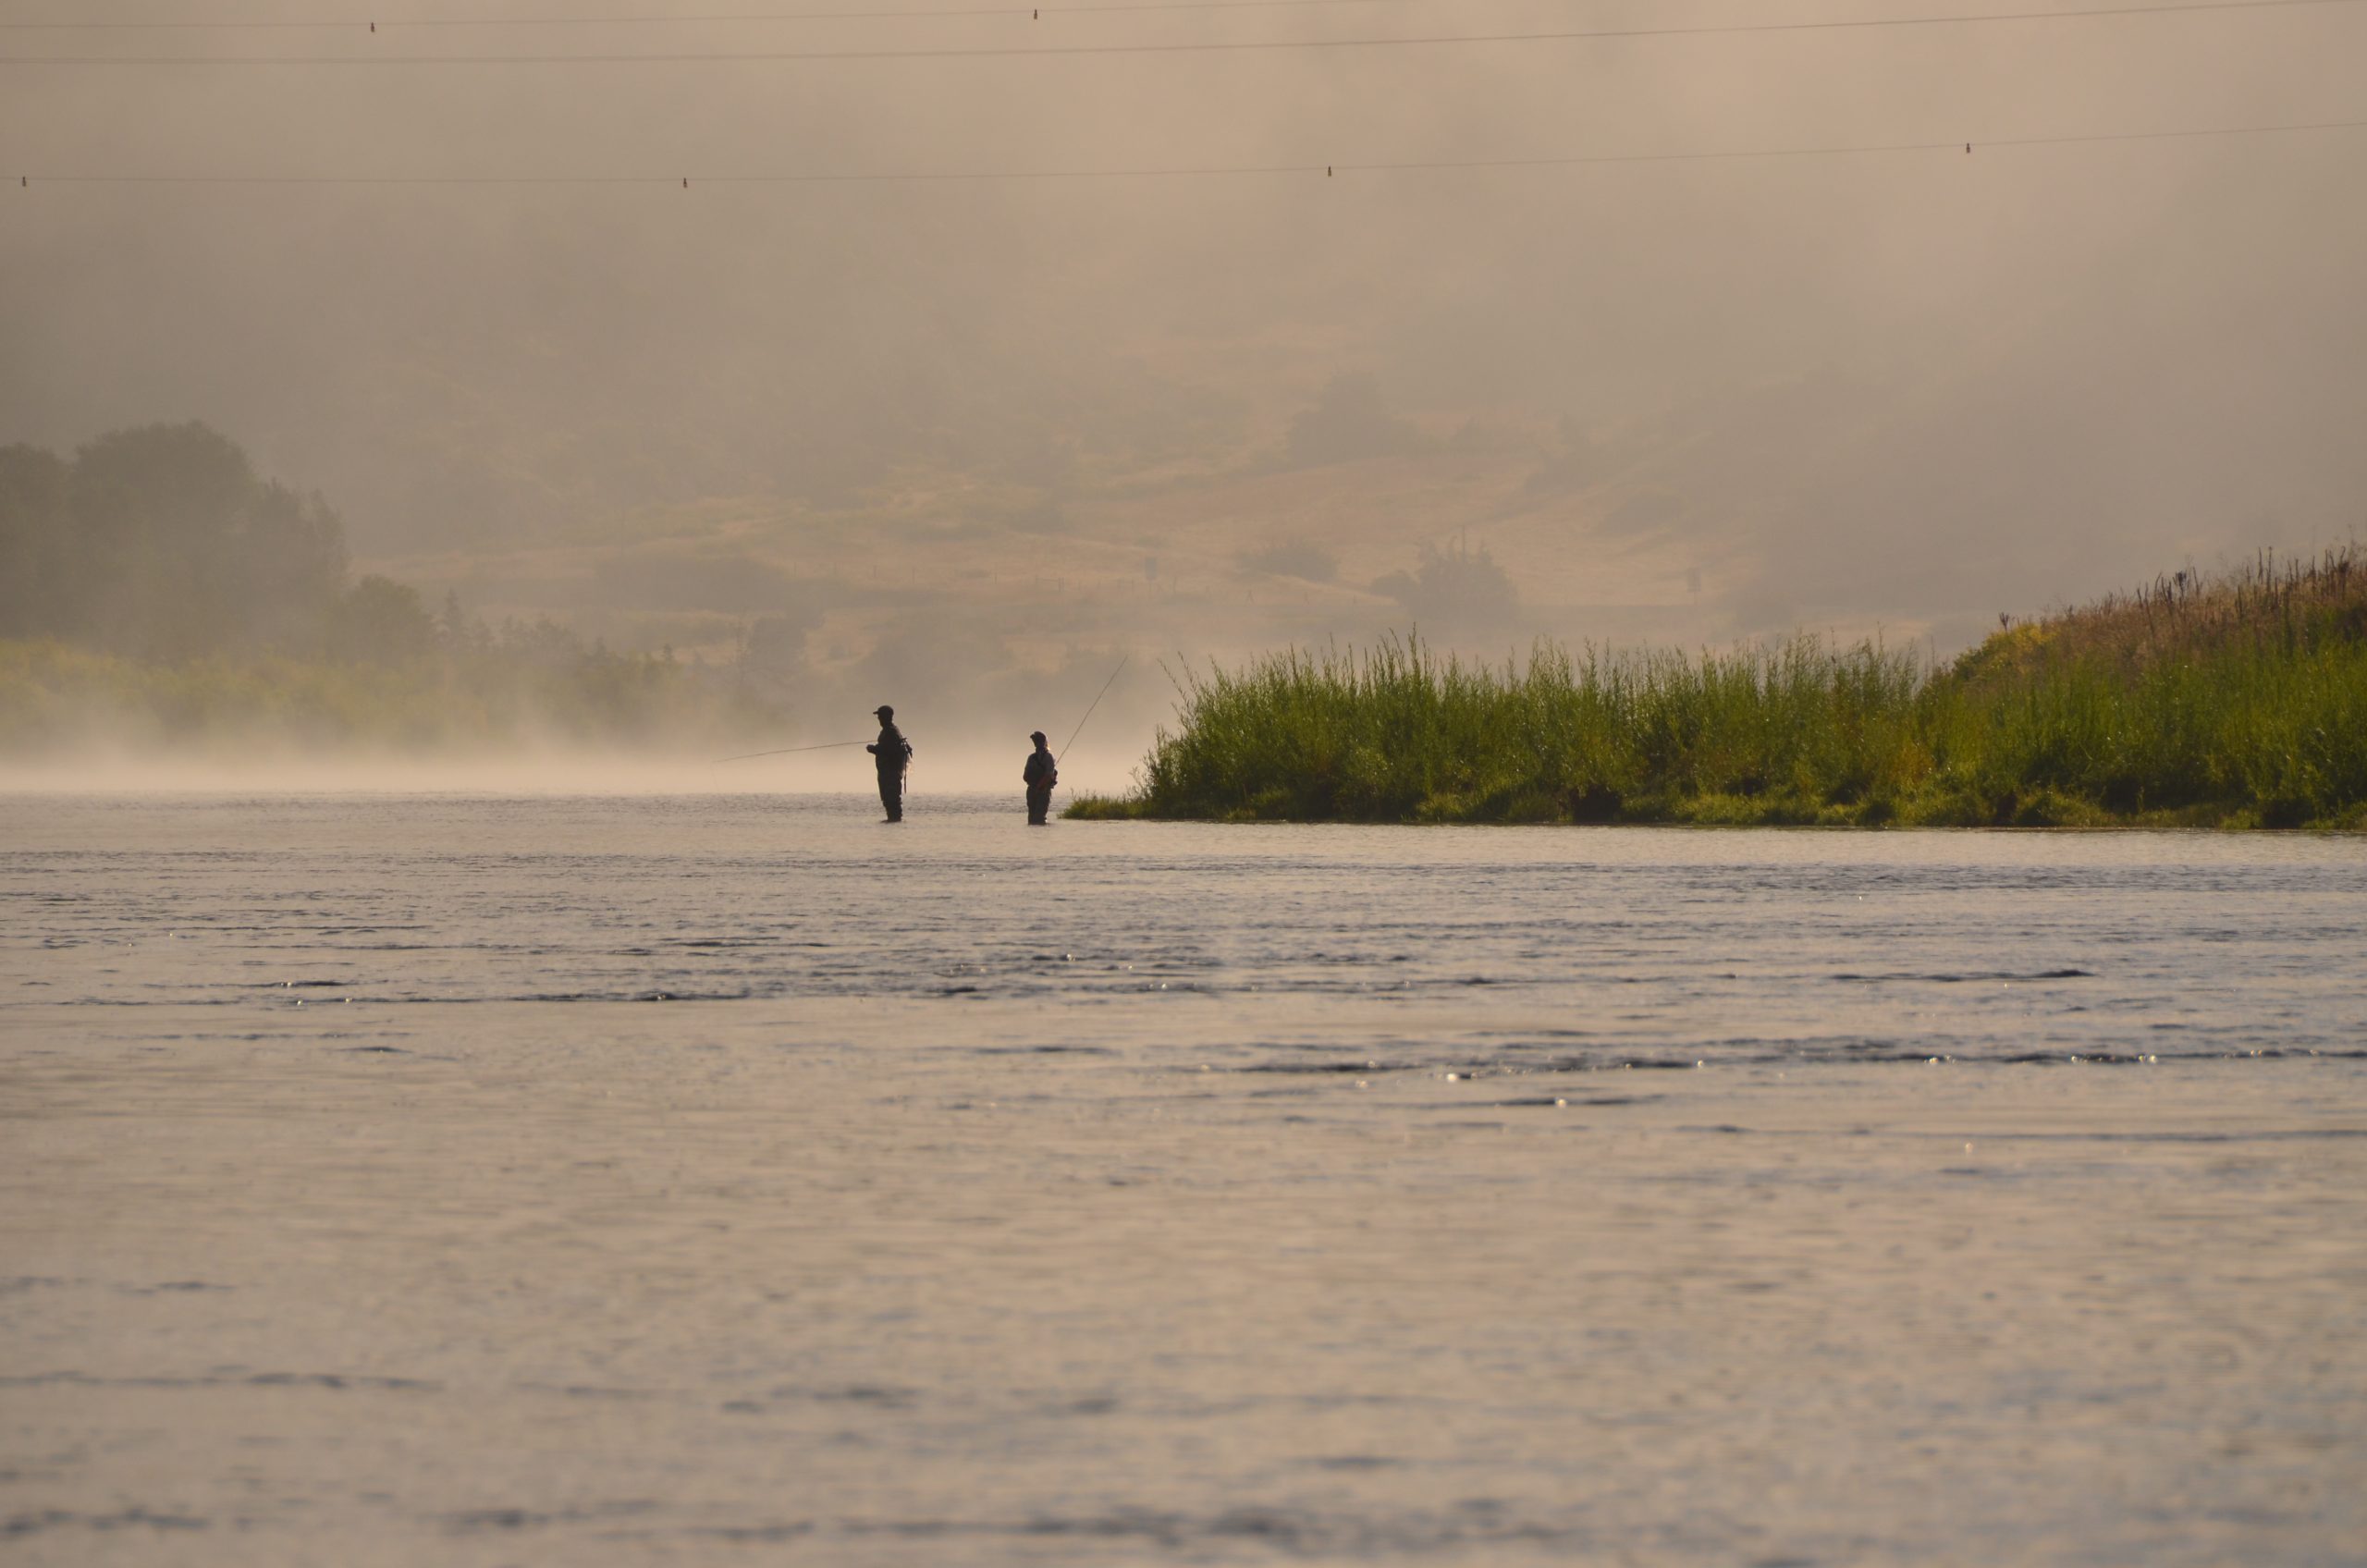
[427, 1178]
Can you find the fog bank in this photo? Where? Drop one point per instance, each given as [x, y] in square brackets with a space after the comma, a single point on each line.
[971, 441]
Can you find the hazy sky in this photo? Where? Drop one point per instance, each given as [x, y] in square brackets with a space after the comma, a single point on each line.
[1917, 385]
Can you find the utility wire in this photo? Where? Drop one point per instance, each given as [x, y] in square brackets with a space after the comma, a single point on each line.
[1556, 36]
[400, 24]
[1213, 170]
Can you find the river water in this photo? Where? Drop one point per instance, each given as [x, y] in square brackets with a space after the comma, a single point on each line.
[410, 1179]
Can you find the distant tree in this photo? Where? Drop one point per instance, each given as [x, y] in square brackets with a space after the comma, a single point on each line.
[208, 555]
[39, 572]
[381, 621]
[772, 654]
[161, 542]
[541, 643]
[1455, 587]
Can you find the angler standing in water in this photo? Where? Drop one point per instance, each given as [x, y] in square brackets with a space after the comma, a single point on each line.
[1041, 773]
[894, 753]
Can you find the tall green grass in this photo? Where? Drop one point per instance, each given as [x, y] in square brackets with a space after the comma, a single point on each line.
[2256, 717]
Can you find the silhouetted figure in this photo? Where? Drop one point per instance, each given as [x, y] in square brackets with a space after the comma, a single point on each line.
[1041, 773]
[894, 753]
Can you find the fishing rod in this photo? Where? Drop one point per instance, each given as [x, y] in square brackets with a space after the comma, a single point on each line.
[1088, 711]
[784, 750]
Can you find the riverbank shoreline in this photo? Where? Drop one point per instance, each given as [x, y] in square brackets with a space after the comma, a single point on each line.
[1111, 808]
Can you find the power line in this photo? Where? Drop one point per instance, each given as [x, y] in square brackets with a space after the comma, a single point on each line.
[392, 25]
[401, 25]
[1566, 35]
[1331, 170]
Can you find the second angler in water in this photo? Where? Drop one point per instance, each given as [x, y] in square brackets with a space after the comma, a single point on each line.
[1041, 773]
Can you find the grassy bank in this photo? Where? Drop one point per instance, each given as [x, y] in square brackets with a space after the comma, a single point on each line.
[2238, 701]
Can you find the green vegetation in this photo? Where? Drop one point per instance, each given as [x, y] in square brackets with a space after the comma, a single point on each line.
[155, 593]
[530, 684]
[2235, 701]
[162, 543]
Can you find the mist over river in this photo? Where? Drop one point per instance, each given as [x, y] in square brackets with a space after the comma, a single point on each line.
[403, 1179]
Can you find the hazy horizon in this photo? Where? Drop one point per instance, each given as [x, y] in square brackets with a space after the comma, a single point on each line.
[975, 439]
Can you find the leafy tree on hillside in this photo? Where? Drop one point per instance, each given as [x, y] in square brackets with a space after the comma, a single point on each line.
[162, 541]
[40, 572]
[1455, 588]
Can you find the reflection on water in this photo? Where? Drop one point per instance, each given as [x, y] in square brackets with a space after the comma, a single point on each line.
[431, 1179]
